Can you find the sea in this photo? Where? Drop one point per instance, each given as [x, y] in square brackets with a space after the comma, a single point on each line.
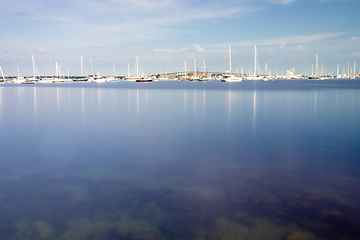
[178, 160]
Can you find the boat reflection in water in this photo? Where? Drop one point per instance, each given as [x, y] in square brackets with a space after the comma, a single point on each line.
[255, 160]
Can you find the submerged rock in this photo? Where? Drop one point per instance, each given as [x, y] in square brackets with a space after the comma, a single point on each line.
[44, 229]
[298, 236]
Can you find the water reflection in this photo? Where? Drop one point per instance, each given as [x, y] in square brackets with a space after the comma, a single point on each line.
[82, 105]
[19, 93]
[195, 105]
[204, 105]
[185, 102]
[1, 100]
[315, 104]
[137, 107]
[35, 102]
[254, 111]
[229, 100]
[179, 163]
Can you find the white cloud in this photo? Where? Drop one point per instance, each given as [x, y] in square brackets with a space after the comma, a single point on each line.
[196, 48]
[282, 42]
[283, 2]
[192, 48]
[41, 50]
[325, 1]
[135, 19]
[355, 54]
[301, 48]
[151, 5]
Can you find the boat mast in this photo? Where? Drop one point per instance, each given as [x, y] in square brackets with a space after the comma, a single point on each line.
[204, 68]
[185, 68]
[2, 74]
[354, 68]
[317, 66]
[195, 67]
[114, 71]
[265, 69]
[33, 62]
[92, 67]
[137, 66]
[312, 69]
[128, 70]
[255, 62]
[82, 71]
[230, 59]
[56, 70]
[322, 68]
[18, 71]
[51, 70]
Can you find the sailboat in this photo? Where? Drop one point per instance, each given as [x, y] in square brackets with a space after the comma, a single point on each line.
[229, 77]
[129, 77]
[35, 77]
[113, 78]
[83, 78]
[195, 76]
[47, 79]
[316, 76]
[2, 74]
[164, 76]
[204, 78]
[185, 77]
[141, 77]
[254, 76]
[58, 78]
[19, 79]
[95, 77]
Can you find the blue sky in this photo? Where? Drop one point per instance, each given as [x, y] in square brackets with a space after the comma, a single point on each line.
[165, 33]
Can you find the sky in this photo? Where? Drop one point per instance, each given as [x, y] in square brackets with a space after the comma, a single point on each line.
[164, 34]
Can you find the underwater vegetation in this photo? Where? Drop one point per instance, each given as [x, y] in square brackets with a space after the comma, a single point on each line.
[47, 207]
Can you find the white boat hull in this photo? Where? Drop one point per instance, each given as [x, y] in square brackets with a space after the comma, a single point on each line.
[46, 81]
[232, 80]
[253, 78]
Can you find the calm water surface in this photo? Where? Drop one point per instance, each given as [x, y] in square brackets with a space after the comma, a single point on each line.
[180, 160]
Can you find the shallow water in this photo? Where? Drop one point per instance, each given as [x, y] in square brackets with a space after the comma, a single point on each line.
[180, 160]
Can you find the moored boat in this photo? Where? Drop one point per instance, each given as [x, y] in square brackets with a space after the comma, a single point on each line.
[203, 79]
[28, 82]
[81, 79]
[19, 79]
[229, 77]
[143, 79]
[2, 74]
[96, 78]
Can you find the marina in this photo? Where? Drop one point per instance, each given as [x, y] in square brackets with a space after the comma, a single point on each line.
[184, 75]
[179, 120]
